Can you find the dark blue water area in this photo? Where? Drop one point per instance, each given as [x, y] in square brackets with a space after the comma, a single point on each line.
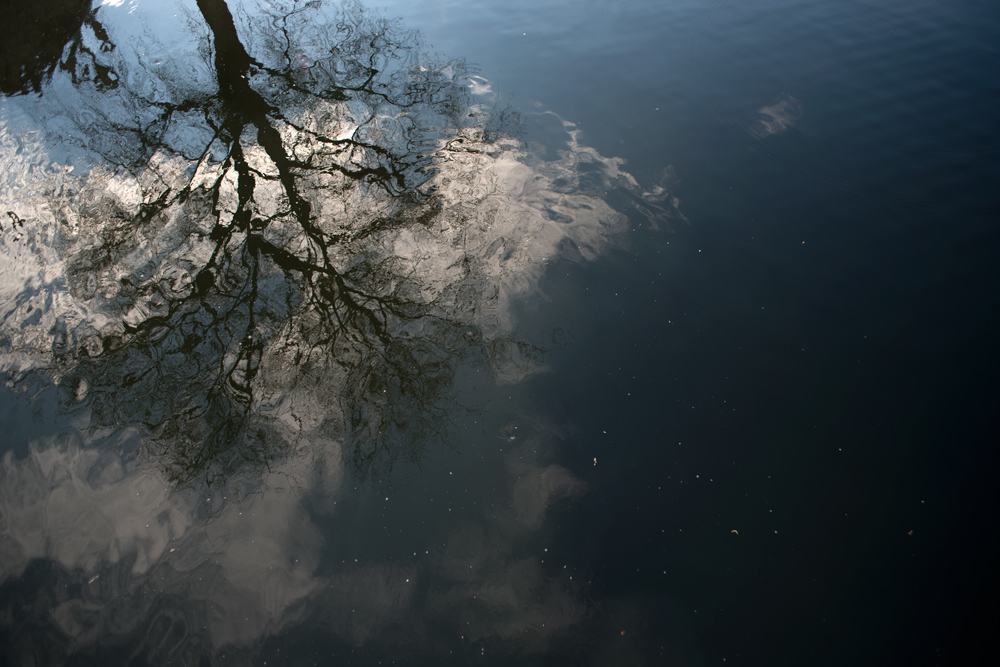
[782, 399]
[809, 359]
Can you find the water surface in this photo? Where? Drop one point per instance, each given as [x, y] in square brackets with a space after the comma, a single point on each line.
[536, 333]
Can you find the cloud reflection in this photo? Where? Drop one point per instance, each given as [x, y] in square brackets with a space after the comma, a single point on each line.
[249, 569]
[778, 117]
[248, 287]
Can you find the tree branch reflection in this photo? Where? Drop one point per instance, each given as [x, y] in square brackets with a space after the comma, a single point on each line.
[257, 269]
[36, 38]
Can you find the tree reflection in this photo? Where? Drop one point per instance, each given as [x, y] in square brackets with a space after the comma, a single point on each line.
[38, 37]
[245, 250]
[284, 237]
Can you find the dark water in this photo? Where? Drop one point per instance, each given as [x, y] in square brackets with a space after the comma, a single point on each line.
[511, 333]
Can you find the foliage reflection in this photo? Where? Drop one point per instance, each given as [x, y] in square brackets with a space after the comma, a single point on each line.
[246, 241]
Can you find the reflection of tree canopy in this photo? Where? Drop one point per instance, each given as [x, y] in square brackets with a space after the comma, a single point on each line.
[38, 37]
[243, 253]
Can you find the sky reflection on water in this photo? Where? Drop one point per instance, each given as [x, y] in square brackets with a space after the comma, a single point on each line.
[659, 335]
[254, 252]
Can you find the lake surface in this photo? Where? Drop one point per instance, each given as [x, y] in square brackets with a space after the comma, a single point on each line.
[543, 333]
